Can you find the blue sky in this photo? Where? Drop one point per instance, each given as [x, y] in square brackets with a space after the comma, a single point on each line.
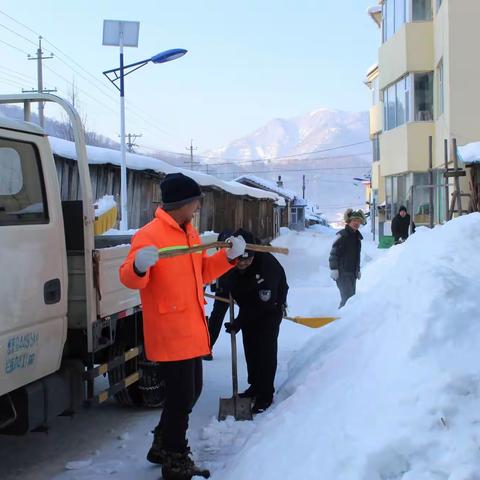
[248, 62]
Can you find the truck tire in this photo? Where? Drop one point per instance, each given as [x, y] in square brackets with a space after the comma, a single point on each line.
[149, 391]
[130, 396]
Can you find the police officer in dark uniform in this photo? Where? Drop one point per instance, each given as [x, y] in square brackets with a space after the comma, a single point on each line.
[259, 286]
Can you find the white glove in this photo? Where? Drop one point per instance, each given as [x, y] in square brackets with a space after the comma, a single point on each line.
[359, 275]
[145, 258]
[237, 247]
[334, 274]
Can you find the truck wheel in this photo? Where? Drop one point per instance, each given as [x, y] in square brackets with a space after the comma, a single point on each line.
[149, 391]
[130, 396]
[151, 385]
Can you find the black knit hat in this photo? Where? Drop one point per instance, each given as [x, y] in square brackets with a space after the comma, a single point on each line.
[178, 190]
[402, 209]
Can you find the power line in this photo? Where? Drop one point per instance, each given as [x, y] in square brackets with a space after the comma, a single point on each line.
[19, 23]
[17, 34]
[150, 121]
[294, 170]
[13, 46]
[291, 156]
[21, 76]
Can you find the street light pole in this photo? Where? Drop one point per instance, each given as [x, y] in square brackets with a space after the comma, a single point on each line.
[123, 149]
[125, 34]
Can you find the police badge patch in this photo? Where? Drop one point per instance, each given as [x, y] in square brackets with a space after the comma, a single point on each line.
[265, 295]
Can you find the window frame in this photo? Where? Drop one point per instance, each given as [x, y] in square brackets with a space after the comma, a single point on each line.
[38, 162]
[389, 8]
[440, 74]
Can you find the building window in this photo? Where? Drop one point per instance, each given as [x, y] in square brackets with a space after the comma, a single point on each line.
[396, 13]
[376, 147]
[22, 193]
[440, 89]
[396, 103]
[294, 216]
[439, 4]
[423, 96]
[398, 100]
[421, 10]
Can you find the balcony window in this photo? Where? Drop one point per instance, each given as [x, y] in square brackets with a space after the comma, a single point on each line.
[376, 147]
[395, 13]
[400, 102]
[423, 97]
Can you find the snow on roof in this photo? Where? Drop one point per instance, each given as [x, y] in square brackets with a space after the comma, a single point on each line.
[11, 124]
[98, 156]
[374, 10]
[268, 185]
[470, 153]
[372, 69]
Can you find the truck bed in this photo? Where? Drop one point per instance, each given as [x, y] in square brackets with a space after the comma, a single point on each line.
[112, 297]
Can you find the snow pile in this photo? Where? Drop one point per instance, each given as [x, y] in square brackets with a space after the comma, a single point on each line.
[470, 153]
[390, 391]
[104, 204]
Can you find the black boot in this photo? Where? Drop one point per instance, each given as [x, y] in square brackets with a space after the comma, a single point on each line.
[261, 405]
[156, 453]
[248, 393]
[179, 466]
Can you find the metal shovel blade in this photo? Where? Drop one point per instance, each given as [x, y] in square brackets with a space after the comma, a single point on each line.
[236, 407]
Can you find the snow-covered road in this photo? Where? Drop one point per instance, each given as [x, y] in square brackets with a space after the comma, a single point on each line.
[111, 440]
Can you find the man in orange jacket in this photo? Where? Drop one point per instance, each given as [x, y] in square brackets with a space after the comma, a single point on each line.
[175, 328]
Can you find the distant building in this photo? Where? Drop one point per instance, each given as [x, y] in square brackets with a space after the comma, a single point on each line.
[225, 204]
[289, 210]
[424, 85]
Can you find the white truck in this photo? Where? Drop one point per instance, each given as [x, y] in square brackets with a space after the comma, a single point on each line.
[65, 318]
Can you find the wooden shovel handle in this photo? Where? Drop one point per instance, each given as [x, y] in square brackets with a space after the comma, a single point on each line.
[206, 246]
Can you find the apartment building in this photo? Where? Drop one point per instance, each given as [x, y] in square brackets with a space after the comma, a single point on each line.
[426, 84]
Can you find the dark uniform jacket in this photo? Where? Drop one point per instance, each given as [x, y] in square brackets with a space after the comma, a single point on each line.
[401, 226]
[345, 253]
[260, 290]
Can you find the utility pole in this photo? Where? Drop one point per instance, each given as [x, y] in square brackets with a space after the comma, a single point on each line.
[303, 187]
[131, 141]
[192, 163]
[40, 89]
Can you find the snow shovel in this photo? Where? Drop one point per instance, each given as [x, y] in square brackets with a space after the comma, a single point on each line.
[313, 322]
[238, 408]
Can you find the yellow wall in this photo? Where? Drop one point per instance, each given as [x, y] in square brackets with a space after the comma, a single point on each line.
[376, 119]
[457, 40]
[378, 182]
[405, 148]
[409, 50]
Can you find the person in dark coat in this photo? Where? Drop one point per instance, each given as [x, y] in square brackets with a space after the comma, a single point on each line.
[401, 225]
[345, 255]
[220, 289]
[259, 286]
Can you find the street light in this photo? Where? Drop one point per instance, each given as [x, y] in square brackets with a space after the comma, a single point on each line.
[119, 33]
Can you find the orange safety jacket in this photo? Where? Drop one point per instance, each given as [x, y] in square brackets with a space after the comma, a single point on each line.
[171, 291]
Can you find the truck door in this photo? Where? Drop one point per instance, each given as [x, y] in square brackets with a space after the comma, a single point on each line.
[33, 285]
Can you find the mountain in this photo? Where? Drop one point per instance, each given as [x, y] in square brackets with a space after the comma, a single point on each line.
[331, 147]
[320, 129]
